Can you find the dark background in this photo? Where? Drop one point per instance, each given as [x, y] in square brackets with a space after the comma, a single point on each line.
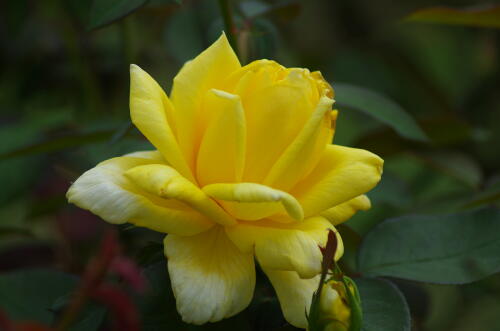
[64, 107]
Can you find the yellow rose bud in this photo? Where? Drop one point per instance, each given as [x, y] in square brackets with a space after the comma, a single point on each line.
[334, 306]
[243, 169]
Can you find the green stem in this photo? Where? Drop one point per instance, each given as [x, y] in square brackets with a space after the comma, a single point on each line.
[229, 27]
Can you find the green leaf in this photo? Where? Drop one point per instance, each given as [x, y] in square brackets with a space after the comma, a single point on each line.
[184, 22]
[484, 16]
[39, 295]
[104, 12]
[89, 319]
[18, 175]
[446, 249]
[384, 307]
[490, 195]
[29, 294]
[456, 165]
[379, 107]
[59, 143]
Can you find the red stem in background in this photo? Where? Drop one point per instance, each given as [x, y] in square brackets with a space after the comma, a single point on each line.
[94, 274]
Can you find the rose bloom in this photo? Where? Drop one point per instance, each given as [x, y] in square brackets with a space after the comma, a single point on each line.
[244, 169]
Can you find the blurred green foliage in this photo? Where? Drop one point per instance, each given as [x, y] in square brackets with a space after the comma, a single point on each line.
[422, 96]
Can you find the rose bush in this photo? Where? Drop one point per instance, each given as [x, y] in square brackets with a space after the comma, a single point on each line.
[244, 168]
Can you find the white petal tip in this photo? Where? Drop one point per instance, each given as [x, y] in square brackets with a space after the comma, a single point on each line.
[134, 67]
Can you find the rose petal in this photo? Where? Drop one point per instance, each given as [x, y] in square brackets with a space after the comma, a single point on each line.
[221, 157]
[291, 246]
[250, 201]
[165, 182]
[208, 70]
[211, 278]
[342, 174]
[106, 192]
[152, 112]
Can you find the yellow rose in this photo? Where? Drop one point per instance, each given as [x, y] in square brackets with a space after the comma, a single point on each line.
[244, 168]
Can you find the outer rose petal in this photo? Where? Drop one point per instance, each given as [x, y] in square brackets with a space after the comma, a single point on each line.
[154, 156]
[294, 293]
[250, 201]
[342, 174]
[346, 210]
[211, 278]
[208, 70]
[165, 182]
[221, 157]
[106, 192]
[151, 111]
[292, 246]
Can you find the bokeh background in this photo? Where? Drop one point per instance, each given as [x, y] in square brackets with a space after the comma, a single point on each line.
[64, 107]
